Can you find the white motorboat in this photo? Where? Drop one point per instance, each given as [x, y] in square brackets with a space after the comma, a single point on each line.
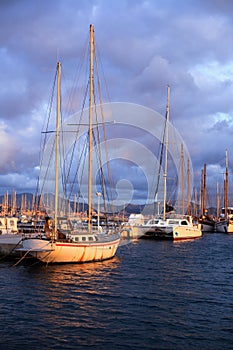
[172, 228]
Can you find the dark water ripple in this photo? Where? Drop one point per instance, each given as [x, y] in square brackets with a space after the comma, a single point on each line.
[152, 295]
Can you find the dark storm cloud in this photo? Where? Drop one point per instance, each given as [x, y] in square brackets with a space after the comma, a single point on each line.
[144, 45]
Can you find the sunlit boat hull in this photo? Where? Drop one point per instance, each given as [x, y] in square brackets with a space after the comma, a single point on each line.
[230, 227]
[182, 233]
[71, 252]
[175, 229]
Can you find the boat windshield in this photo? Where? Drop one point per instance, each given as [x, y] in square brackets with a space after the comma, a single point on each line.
[173, 222]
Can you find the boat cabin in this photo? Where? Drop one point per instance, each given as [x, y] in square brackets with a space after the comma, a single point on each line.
[167, 222]
[152, 222]
[173, 222]
[8, 225]
[85, 238]
[229, 212]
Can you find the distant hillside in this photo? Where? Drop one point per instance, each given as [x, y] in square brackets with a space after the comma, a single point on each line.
[22, 198]
[25, 201]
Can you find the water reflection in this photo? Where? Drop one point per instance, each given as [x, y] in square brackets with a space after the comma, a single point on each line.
[74, 297]
[66, 275]
[151, 295]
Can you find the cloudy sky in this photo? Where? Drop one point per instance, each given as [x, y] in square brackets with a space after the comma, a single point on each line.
[144, 46]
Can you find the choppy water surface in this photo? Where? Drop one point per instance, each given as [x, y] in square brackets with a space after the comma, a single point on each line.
[152, 295]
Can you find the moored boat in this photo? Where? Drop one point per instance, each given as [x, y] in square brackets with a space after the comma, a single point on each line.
[221, 226]
[134, 228]
[186, 232]
[227, 217]
[61, 242]
[9, 236]
[172, 228]
[207, 224]
[230, 226]
[224, 223]
[74, 246]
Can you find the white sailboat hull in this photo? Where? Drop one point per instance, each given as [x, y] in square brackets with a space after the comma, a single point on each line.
[71, 252]
[182, 233]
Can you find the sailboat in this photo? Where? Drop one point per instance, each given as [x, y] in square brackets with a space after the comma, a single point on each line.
[177, 228]
[207, 223]
[226, 215]
[62, 243]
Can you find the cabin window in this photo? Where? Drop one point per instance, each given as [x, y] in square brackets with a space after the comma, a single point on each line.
[184, 222]
[90, 238]
[76, 239]
[11, 222]
[83, 239]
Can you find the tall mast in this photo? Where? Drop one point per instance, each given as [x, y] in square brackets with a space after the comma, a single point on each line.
[182, 177]
[204, 191]
[91, 77]
[57, 143]
[166, 153]
[226, 187]
[217, 203]
[201, 193]
[189, 190]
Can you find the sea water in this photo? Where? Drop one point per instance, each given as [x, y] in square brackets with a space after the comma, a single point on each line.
[151, 295]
